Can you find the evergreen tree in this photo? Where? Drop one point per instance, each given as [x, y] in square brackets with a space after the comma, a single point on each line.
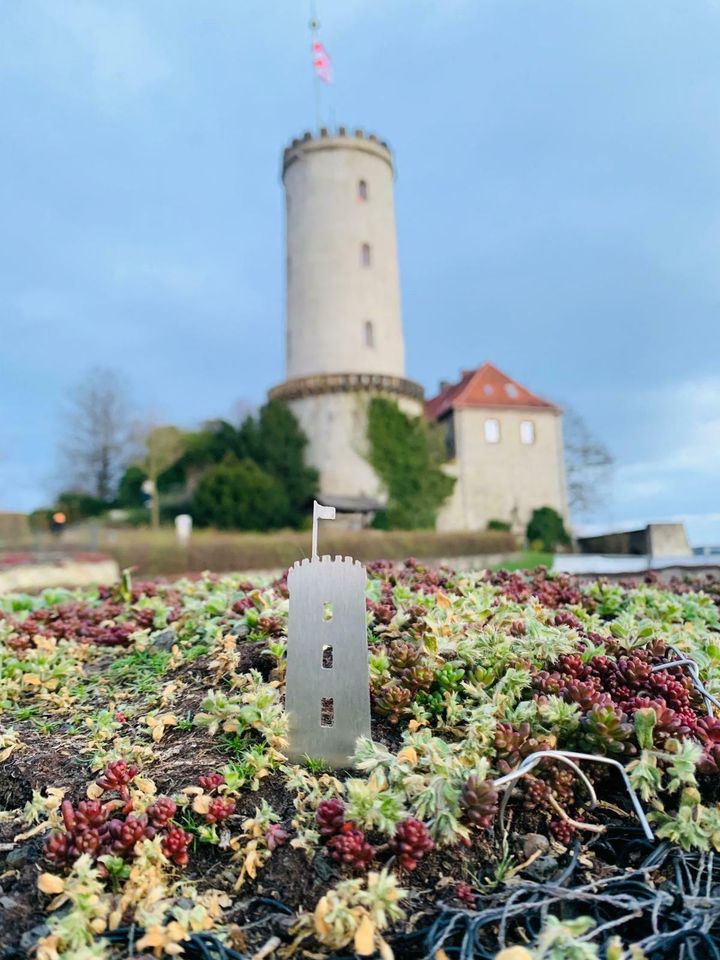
[276, 443]
[546, 526]
[239, 495]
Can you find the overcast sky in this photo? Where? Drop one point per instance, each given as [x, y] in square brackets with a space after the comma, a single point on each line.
[558, 202]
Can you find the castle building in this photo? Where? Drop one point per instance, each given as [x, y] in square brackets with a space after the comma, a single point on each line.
[505, 450]
[344, 344]
[344, 339]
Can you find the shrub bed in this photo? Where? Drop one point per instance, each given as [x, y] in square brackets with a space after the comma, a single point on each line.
[541, 783]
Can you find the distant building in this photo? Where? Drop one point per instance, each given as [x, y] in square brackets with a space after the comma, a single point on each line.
[344, 344]
[505, 449]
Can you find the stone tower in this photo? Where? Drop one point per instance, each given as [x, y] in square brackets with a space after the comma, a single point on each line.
[344, 338]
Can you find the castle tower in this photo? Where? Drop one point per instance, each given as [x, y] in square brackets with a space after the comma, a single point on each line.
[344, 338]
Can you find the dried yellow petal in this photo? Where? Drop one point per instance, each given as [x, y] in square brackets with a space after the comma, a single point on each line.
[365, 937]
[49, 883]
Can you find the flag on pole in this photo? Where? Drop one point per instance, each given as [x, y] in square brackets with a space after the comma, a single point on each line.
[320, 512]
[322, 64]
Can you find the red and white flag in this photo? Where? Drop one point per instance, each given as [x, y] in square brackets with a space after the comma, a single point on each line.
[322, 64]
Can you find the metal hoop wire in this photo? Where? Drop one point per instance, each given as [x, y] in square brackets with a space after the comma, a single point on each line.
[567, 757]
[694, 671]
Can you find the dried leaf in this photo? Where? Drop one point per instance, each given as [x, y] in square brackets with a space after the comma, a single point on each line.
[39, 828]
[408, 755]
[365, 937]
[514, 953]
[443, 601]
[322, 909]
[94, 791]
[49, 883]
[145, 785]
[201, 803]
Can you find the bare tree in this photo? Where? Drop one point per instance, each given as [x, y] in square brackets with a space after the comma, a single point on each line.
[96, 435]
[163, 447]
[588, 464]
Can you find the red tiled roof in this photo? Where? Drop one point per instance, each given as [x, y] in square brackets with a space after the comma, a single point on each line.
[485, 387]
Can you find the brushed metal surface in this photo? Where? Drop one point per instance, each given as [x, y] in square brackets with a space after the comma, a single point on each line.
[316, 588]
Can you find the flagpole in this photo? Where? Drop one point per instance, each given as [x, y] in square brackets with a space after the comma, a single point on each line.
[314, 26]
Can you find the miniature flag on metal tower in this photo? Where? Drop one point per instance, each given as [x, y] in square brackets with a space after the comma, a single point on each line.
[322, 64]
[319, 513]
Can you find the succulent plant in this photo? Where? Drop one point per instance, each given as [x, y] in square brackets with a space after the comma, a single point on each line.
[563, 831]
[392, 700]
[108, 827]
[276, 836]
[350, 847]
[211, 781]
[465, 894]
[514, 743]
[219, 809]
[161, 812]
[605, 729]
[479, 801]
[411, 842]
[175, 844]
[330, 817]
[116, 776]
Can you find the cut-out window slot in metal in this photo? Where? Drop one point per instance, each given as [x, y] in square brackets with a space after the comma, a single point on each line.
[327, 712]
[327, 610]
[327, 657]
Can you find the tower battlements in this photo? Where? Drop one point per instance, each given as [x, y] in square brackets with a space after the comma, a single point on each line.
[342, 138]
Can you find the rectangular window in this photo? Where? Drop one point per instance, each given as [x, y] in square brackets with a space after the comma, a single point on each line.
[492, 431]
[365, 255]
[527, 431]
[327, 712]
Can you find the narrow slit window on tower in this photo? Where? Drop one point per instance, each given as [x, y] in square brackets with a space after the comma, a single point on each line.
[362, 191]
[369, 334]
[327, 657]
[327, 610]
[327, 712]
[365, 255]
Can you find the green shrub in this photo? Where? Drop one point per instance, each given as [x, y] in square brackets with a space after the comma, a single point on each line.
[504, 525]
[77, 505]
[406, 454]
[547, 529]
[238, 495]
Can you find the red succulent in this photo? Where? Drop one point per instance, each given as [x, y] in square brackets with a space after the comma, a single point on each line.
[330, 817]
[211, 781]
[351, 848]
[175, 844]
[411, 842]
[219, 809]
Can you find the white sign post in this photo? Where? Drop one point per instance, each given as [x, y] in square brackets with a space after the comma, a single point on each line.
[183, 528]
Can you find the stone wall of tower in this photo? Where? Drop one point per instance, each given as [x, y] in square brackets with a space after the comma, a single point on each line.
[341, 269]
[336, 427]
[344, 337]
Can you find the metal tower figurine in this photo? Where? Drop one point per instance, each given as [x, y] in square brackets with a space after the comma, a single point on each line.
[327, 694]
